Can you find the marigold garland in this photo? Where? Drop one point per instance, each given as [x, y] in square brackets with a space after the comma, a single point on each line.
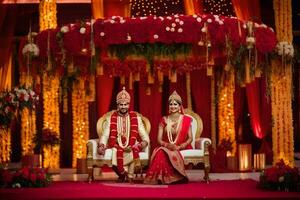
[5, 142]
[281, 88]
[28, 131]
[51, 118]
[47, 15]
[80, 121]
[28, 121]
[226, 111]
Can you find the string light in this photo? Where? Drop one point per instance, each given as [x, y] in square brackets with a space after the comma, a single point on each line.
[218, 7]
[157, 8]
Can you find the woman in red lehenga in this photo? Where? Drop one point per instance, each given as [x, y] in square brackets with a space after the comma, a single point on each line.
[174, 134]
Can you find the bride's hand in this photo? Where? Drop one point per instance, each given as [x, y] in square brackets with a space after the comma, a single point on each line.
[172, 147]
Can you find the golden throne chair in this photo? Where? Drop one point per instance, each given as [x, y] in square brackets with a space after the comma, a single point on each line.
[200, 151]
[96, 160]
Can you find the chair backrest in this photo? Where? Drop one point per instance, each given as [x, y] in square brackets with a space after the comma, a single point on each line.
[101, 123]
[197, 125]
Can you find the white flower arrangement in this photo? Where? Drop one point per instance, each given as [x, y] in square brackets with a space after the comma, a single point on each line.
[155, 36]
[285, 49]
[31, 48]
[82, 30]
[16, 185]
[26, 97]
[64, 29]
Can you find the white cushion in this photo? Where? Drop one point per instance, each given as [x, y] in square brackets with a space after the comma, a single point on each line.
[144, 155]
[108, 155]
[193, 129]
[192, 153]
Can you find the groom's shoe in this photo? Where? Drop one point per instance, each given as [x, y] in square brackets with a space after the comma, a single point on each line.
[122, 178]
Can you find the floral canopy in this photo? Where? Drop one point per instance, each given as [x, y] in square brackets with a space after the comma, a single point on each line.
[124, 45]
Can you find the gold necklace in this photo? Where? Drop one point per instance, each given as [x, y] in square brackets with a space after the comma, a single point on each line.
[123, 127]
[170, 123]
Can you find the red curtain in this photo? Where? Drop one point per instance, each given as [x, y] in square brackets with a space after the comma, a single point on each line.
[258, 104]
[201, 95]
[7, 27]
[150, 106]
[259, 107]
[239, 110]
[198, 6]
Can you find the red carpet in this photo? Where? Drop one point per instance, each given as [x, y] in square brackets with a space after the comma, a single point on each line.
[240, 189]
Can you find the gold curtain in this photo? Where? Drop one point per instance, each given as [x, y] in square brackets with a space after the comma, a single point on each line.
[247, 10]
[97, 9]
[106, 8]
[189, 7]
[5, 75]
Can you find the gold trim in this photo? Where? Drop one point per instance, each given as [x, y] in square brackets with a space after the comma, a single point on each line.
[198, 120]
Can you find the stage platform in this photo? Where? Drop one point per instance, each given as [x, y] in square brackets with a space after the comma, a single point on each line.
[67, 184]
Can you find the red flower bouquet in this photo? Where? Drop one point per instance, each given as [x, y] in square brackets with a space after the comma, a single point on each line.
[25, 177]
[280, 177]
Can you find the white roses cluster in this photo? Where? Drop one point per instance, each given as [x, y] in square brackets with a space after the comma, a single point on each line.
[285, 49]
[31, 48]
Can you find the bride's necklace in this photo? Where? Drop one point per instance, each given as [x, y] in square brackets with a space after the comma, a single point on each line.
[170, 124]
[123, 127]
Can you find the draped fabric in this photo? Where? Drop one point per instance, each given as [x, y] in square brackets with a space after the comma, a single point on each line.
[7, 27]
[97, 9]
[193, 7]
[6, 74]
[259, 108]
[201, 90]
[189, 7]
[105, 84]
[247, 10]
[258, 104]
[239, 110]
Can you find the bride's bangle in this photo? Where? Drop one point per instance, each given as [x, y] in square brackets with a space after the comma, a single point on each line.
[182, 146]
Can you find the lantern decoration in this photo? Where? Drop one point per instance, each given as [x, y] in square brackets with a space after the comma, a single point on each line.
[245, 157]
[259, 162]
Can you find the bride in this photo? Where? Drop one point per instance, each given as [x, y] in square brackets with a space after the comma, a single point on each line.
[174, 134]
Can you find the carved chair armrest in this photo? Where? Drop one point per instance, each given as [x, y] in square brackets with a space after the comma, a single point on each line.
[91, 148]
[201, 143]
